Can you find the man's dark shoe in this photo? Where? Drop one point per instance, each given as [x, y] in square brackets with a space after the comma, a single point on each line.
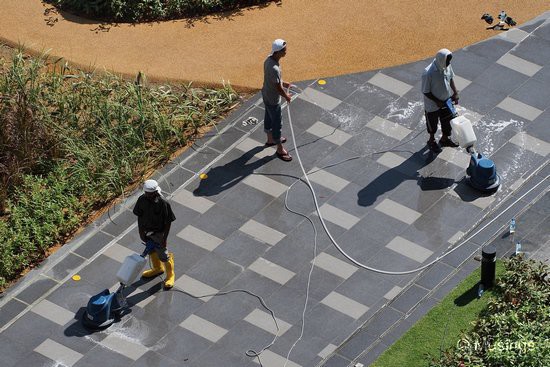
[448, 143]
[433, 146]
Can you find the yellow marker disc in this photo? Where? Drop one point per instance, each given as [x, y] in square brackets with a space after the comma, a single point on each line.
[322, 82]
[203, 176]
[76, 277]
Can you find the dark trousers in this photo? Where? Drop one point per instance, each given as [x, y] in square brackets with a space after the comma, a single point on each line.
[273, 121]
[443, 115]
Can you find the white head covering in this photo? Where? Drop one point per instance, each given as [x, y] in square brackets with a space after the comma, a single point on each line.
[441, 58]
[277, 45]
[151, 186]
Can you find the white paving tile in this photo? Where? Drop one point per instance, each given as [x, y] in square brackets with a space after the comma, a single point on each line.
[248, 144]
[199, 238]
[264, 321]
[327, 351]
[390, 160]
[203, 328]
[271, 359]
[514, 35]
[390, 84]
[388, 128]
[327, 179]
[456, 237]
[338, 217]
[320, 99]
[398, 211]
[121, 344]
[519, 108]
[53, 312]
[118, 252]
[392, 293]
[531, 143]
[271, 270]
[345, 305]
[262, 232]
[409, 249]
[195, 287]
[518, 64]
[329, 133]
[334, 265]
[461, 82]
[196, 203]
[455, 156]
[265, 184]
[57, 352]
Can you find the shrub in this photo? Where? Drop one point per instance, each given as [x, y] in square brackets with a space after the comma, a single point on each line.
[149, 10]
[75, 141]
[514, 330]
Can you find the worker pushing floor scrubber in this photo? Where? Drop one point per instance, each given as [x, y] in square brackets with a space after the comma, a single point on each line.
[481, 172]
[105, 308]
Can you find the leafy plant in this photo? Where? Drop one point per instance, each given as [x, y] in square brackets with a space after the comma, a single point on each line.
[73, 141]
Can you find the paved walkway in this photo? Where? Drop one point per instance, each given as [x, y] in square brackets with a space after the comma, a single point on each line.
[396, 209]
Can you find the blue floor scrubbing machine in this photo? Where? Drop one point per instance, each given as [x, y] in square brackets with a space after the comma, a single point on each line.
[105, 308]
[481, 172]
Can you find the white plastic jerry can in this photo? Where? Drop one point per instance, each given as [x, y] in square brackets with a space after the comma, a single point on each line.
[463, 132]
[130, 269]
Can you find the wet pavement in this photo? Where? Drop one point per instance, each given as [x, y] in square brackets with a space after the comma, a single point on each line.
[387, 201]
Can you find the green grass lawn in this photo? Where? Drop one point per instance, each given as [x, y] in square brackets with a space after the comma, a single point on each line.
[441, 327]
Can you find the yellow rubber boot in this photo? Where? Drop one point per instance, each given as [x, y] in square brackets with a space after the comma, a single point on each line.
[170, 275]
[157, 267]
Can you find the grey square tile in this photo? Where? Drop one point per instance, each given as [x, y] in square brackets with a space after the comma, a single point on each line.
[11, 351]
[518, 64]
[301, 257]
[345, 305]
[342, 86]
[288, 303]
[324, 324]
[320, 285]
[152, 358]
[34, 359]
[202, 157]
[398, 211]
[491, 49]
[444, 289]
[255, 283]
[371, 98]
[543, 75]
[272, 270]
[357, 344]
[469, 65]
[408, 113]
[543, 31]
[347, 118]
[169, 306]
[534, 49]
[421, 194]
[373, 354]
[218, 356]
[118, 224]
[528, 142]
[434, 275]
[11, 309]
[383, 320]
[513, 162]
[460, 255]
[303, 113]
[276, 216]
[99, 355]
[255, 200]
[241, 249]
[236, 306]
[36, 290]
[388, 260]
[347, 200]
[366, 287]
[188, 347]
[215, 271]
[377, 185]
[328, 132]
[58, 352]
[219, 221]
[101, 272]
[539, 127]
[409, 249]
[31, 330]
[480, 98]
[245, 336]
[390, 84]
[501, 79]
[312, 149]
[319, 99]
[65, 267]
[94, 244]
[337, 361]
[534, 93]
[531, 25]
[409, 73]
[227, 138]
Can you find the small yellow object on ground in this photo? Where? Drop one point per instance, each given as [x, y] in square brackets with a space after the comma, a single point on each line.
[203, 176]
[322, 82]
[76, 277]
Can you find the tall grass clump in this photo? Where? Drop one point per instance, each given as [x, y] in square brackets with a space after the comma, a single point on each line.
[150, 10]
[71, 141]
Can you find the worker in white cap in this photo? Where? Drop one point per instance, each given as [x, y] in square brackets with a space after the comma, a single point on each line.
[272, 91]
[155, 217]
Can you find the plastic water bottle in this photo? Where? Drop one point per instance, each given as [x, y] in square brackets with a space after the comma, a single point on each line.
[480, 290]
[518, 248]
[512, 226]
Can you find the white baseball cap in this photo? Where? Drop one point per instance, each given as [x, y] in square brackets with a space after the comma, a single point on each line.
[277, 45]
[151, 186]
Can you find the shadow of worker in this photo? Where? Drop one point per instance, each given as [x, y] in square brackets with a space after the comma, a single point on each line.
[224, 177]
[393, 177]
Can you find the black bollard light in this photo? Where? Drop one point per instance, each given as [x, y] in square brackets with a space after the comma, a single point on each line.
[488, 266]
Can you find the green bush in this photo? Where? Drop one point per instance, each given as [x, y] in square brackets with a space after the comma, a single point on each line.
[149, 10]
[73, 141]
[514, 330]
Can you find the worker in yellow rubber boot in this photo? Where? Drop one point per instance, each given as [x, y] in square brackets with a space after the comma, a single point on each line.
[155, 217]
